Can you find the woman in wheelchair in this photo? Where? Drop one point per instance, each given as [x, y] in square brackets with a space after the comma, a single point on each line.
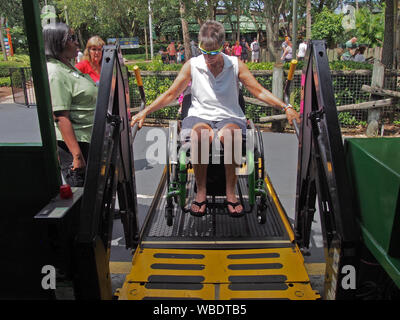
[214, 79]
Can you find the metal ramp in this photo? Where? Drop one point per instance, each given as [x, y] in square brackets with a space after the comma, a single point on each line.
[217, 257]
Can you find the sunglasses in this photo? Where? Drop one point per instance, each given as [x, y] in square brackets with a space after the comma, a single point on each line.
[72, 37]
[96, 49]
[211, 53]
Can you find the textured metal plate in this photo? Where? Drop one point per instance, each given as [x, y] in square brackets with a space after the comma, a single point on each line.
[218, 274]
[217, 226]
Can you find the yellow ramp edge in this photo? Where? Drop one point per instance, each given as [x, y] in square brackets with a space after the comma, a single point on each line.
[274, 273]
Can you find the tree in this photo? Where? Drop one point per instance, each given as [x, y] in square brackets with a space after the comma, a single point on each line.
[327, 26]
[369, 27]
[388, 43]
[272, 12]
[308, 19]
[117, 18]
[14, 15]
[185, 31]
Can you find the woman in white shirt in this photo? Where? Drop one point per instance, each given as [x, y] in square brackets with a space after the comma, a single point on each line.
[287, 55]
[302, 49]
[215, 81]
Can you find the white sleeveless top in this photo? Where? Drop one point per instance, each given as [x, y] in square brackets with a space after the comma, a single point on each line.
[215, 98]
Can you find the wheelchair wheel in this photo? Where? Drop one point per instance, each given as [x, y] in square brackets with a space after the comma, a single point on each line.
[251, 177]
[182, 178]
[171, 169]
[168, 216]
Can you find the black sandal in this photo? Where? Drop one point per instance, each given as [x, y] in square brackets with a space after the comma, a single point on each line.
[234, 205]
[198, 213]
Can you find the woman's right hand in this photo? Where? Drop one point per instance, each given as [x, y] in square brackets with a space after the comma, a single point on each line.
[139, 118]
[78, 162]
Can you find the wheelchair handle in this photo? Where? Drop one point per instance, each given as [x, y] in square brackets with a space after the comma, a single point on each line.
[293, 65]
[296, 127]
[139, 81]
[286, 92]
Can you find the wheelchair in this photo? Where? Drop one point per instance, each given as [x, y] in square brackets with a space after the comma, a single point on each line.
[179, 165]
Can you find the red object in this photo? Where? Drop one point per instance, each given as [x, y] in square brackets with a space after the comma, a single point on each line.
[10, 42]
[85, 67]
[65, 191]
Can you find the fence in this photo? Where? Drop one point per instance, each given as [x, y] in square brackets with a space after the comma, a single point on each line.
[22, 86]
[346, 84]
[333, 54]
[375, 53]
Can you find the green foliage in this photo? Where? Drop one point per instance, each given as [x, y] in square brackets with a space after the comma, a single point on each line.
[347, 119]
[156, 65]
[5, 82]
[16, 79]
[260, 66]
[327, 26]
[4, 71]
[370, 27]
[349, 65]
[17, 61]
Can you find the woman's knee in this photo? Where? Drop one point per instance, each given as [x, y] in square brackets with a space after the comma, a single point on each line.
[230, 131]
[201, 133]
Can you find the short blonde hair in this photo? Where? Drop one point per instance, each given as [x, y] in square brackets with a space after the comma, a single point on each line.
[94, 41]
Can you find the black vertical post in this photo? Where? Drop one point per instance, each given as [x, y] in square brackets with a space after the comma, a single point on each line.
[42, 89]
[23, 81]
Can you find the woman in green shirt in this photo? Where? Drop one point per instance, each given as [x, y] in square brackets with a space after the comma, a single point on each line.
[73, 98]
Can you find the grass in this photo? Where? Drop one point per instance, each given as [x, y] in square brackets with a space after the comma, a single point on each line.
[138, 57]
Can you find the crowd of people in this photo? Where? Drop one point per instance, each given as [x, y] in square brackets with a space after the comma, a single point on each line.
[173, 54]
[240, 49]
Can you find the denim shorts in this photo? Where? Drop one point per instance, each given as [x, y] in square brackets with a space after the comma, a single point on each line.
[190, 122]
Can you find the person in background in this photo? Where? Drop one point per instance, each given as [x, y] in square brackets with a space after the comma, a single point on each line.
[359, 54]
[79, 56]
[287, 55]
[73, 98]
[227, 50]
[91, 61]
[178, 52]
[171, 50]
[164, 55]
[302, 49]
[245, 50]
[214, 109]
[194, 49]
[285, 43]
[181, 53]
[237, 50]
[255, 51]
[351, 47]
